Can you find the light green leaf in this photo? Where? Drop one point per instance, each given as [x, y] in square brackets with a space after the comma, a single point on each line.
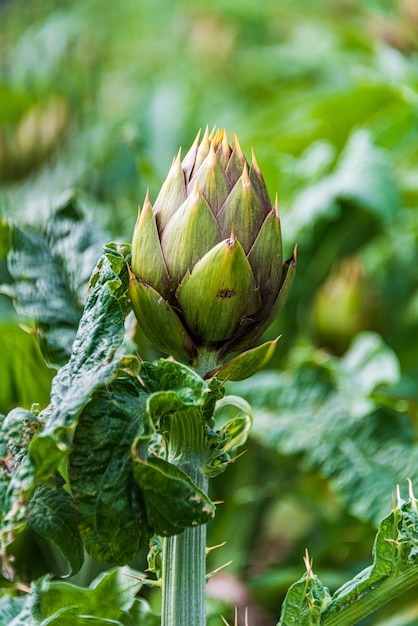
[246, 364]
[223, 442]
[394, 569]
[107, 600]
[304, 602]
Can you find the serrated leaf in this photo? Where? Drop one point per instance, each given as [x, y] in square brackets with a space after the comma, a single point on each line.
[51, 269]
[17, 478]
[53, 517]
[304, 602]
[223, 442]
[172, 500]
[91, 366]
[323, 408]
[107, 499]
[172, 386]
[394, 569]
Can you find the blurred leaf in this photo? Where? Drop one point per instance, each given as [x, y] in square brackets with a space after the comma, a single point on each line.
[51, 272]
[363, 177]
[108, 599]
[10, 607]
[328, 410]
[24, 376]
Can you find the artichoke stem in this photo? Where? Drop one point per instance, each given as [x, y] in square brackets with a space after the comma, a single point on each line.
[184, 555]
[207, 360]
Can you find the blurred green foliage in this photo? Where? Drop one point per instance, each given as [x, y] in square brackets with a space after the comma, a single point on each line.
[97, 97]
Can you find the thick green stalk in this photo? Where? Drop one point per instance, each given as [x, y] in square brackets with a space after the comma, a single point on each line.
[184, 555]
[357, 608]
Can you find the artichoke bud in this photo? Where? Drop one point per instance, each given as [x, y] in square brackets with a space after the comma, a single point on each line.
[207, 269]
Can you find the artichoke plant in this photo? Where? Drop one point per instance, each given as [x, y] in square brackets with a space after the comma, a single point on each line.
[207, 274]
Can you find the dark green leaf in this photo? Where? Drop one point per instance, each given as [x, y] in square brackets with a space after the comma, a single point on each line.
[107, 499]
[172, 386]
[53, 517]
[173, 502]
[17, 478]
[92, 364]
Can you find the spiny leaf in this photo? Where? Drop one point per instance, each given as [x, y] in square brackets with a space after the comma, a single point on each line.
[394, 569]
[92, 364]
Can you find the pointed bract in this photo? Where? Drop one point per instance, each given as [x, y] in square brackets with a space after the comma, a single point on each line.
[243, 210]
[259, 185]
[213, 182]
[268, 245]
[218, 293]
[191, 233]
[159, 322]
[147, 257]
[188, 162]
[246, 364]
[172, 194]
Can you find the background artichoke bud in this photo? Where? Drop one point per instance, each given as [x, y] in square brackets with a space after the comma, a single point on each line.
[207, 270]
